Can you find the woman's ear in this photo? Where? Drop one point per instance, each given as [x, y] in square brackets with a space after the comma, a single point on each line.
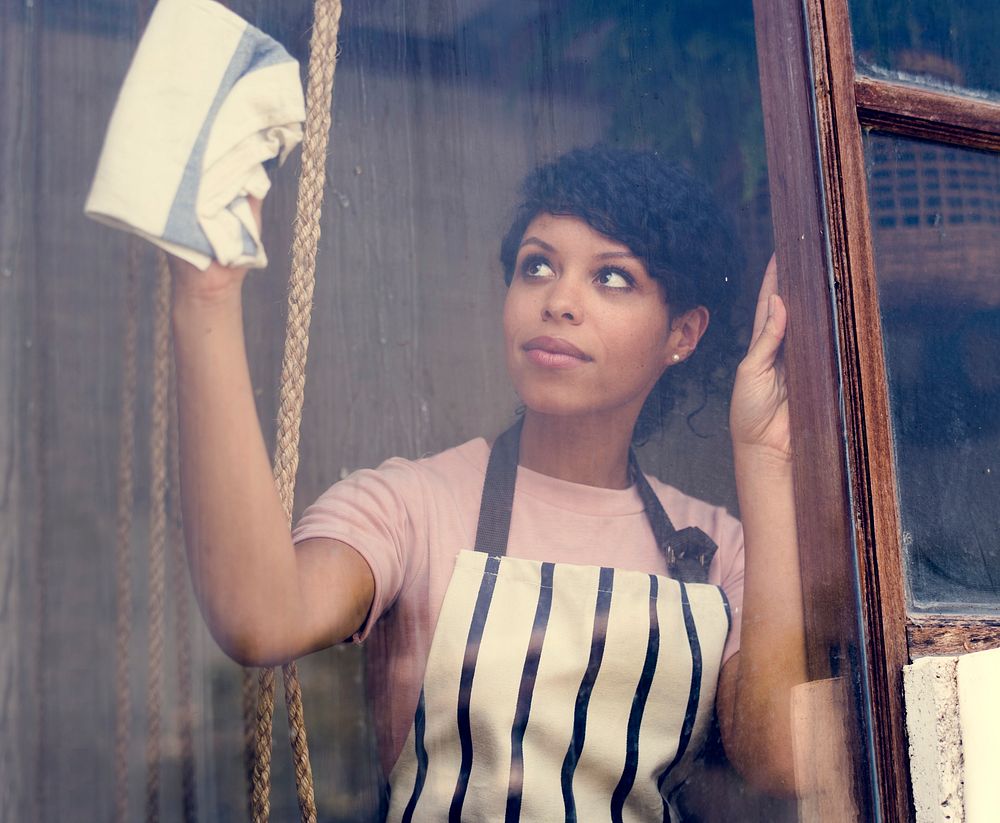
[686, 331]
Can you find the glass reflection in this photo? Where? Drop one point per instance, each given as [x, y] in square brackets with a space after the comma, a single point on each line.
[935, 214]
[948, 45]
[440, 110]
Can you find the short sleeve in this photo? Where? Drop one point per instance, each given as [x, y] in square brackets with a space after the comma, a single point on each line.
[380, 513]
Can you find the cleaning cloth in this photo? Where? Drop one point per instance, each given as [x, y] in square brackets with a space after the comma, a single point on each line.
[208, 103]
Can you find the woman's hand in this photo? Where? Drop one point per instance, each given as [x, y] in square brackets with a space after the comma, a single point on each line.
[758, 416]
[214, 283]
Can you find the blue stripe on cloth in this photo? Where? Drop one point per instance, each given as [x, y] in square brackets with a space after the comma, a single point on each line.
[638, 707]
[419, 723]
[694, 694]
[525, 692]
[479, 614]
[254, 51]
[586, 687]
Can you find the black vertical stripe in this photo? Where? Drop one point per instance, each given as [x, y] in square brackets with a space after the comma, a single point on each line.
[638, 707]
[419, 722]
[525, 692]
[482, 609]
[586, 687]
[694, 694]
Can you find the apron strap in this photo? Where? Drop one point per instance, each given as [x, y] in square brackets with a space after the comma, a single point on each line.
[688, 552]
[498, 492]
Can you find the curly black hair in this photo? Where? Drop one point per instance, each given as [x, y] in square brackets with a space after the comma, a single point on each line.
[670, 221]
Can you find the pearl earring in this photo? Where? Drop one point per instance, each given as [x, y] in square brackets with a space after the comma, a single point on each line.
[677, 358]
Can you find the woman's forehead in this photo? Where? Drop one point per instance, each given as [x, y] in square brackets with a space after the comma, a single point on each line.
[562, 232]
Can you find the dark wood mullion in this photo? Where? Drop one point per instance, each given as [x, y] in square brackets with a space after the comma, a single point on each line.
[821, 484]
[810, 356]
[951, 634]
[929, 115]
[866, 398]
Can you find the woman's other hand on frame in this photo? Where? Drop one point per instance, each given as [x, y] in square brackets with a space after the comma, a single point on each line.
[758, 416]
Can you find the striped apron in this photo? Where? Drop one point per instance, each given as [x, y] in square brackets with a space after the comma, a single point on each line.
[562, 692]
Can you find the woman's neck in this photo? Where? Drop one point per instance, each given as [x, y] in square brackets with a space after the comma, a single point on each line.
[590, 450]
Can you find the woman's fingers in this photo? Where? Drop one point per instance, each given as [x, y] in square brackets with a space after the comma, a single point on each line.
[768, 323]
[767, 341]
[759, 415]
[215, 280]
[768, 286]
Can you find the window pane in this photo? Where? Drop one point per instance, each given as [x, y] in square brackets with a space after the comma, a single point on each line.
[928, 42]
[441, 109]
[936, 219]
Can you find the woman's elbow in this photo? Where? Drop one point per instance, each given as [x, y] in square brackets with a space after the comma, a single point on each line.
[247, 640]
[769, 772]
[761, 752]
[251, 649]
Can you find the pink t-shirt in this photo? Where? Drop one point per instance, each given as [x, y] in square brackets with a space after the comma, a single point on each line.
[409, 519]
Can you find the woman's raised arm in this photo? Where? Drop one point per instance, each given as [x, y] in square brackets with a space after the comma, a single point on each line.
[755, 687]
[264, 600]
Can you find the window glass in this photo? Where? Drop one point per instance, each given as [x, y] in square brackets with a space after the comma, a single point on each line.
[936, 220]
[944, 45]
[440, 111]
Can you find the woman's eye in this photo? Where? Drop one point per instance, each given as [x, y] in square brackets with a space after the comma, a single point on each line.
[537, 267]
[614, 279]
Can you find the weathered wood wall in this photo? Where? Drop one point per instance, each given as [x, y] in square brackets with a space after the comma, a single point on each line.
[16, 247]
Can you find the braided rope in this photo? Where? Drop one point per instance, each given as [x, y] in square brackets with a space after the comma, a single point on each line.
[123, 544]
[157, 533]
[182, 617]
[322, 63]
[319, 91]
[300, 745]
[249, 695]
[260, 784]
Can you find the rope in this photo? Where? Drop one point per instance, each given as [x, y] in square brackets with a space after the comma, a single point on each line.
[300, 745]
[182, 618]
[126, 502]
[319, 91]
[250, 733]
[260, 784]
[123, 545]
[157, 533]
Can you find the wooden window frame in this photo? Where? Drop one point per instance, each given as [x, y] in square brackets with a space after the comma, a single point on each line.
[816, 106]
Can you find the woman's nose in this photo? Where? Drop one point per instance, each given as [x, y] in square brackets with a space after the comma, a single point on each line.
[563, 301]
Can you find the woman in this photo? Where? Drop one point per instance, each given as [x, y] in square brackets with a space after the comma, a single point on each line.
[546, 640]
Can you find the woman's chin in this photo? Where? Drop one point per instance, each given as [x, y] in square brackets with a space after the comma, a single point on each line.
[545, 404]
[551, 403]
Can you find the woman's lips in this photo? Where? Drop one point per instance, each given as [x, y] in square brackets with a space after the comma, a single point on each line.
[554, 352]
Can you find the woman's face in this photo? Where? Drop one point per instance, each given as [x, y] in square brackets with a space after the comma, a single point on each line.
[587, 330]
